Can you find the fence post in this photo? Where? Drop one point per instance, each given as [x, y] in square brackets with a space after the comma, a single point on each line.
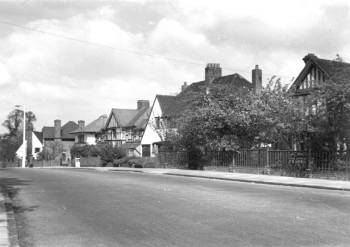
[267, 167]
[309, 163]
[231, 168]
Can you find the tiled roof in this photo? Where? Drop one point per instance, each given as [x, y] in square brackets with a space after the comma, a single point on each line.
[39, 135]
[173, 105]
[48, 132]
[94, 127]
[131, 117]
[329, 67]
[168, 104]
[67, 128]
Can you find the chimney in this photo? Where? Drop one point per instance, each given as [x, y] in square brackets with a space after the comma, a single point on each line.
[142, 104]
[309, 57]
[57, 129]
[257, 79]
[212, 71]
[81, 124]
[184, 86]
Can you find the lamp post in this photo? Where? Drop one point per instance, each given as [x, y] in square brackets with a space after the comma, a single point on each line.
[24, 136]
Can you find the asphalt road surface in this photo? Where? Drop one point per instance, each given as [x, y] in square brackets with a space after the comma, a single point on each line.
[66, 207]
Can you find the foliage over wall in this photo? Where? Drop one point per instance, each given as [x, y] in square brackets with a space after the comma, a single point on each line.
[107, 152]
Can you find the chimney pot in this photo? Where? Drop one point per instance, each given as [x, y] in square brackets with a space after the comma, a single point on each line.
[257, 79]
[81, 124]
[57, 129]
[142, 104]
[184, 86]
[212, 71]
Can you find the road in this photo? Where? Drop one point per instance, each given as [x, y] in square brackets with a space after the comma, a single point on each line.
[66, 207]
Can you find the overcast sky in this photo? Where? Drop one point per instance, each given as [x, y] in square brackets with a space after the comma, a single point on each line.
[73, 60]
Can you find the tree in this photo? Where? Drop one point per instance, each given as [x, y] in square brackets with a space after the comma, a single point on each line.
[329, 117]
[12, 140]
[51, 151]
[229, 119]
[14, 122]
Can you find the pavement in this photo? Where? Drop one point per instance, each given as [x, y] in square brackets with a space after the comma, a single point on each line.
[8, 232]
[240, 177]
[4, 234]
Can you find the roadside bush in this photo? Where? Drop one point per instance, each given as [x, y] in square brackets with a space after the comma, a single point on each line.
[109, 153]
[136, 163]
[78, 151]
[123, 162]
[94, 150]
[142, 163]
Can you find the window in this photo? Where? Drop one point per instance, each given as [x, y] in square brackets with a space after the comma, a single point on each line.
[36, 150]
[146, 150]
[131, 152]
[80, 138]
[157, 122]
[119, 134]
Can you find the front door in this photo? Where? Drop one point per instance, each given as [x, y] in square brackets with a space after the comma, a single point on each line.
[146, 150]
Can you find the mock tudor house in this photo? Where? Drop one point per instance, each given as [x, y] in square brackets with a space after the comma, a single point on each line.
[92, 133]
[125, 127]
[61, 134]
[315, 73]
[166, 107]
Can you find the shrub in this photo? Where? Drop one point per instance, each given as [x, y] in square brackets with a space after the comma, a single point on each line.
[80, 151]
[135, 162]
[122, 161]
[94, 150]
[109, 153]
[141, 163]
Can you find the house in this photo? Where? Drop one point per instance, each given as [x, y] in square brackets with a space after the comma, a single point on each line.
[165, 108]
[125, 127]
[34, 144]
[92, 133]
[315, 73]
[61, 135]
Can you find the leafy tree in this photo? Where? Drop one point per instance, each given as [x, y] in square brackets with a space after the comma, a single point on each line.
[229, 119]
[12, 140]
[329, 112]
[14, 122]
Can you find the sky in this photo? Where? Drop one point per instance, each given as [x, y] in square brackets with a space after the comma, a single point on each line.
[76, 60]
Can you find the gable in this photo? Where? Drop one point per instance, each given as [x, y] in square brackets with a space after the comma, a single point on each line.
[111, 122]
[310, 77]
[315, 72]
[67, 128]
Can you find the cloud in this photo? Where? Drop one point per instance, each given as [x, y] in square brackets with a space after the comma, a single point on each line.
[5, 76]
[104, 54]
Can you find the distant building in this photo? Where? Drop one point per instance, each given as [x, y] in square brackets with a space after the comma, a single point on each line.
[165, 108]
[61, 134]
[92, 133]
[125, 127]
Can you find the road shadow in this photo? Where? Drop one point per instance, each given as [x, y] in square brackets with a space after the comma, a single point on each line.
[18, 224]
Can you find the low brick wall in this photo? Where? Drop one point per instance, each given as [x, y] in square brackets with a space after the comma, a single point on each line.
[90, 162]
[46, 163]
[5, 164]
